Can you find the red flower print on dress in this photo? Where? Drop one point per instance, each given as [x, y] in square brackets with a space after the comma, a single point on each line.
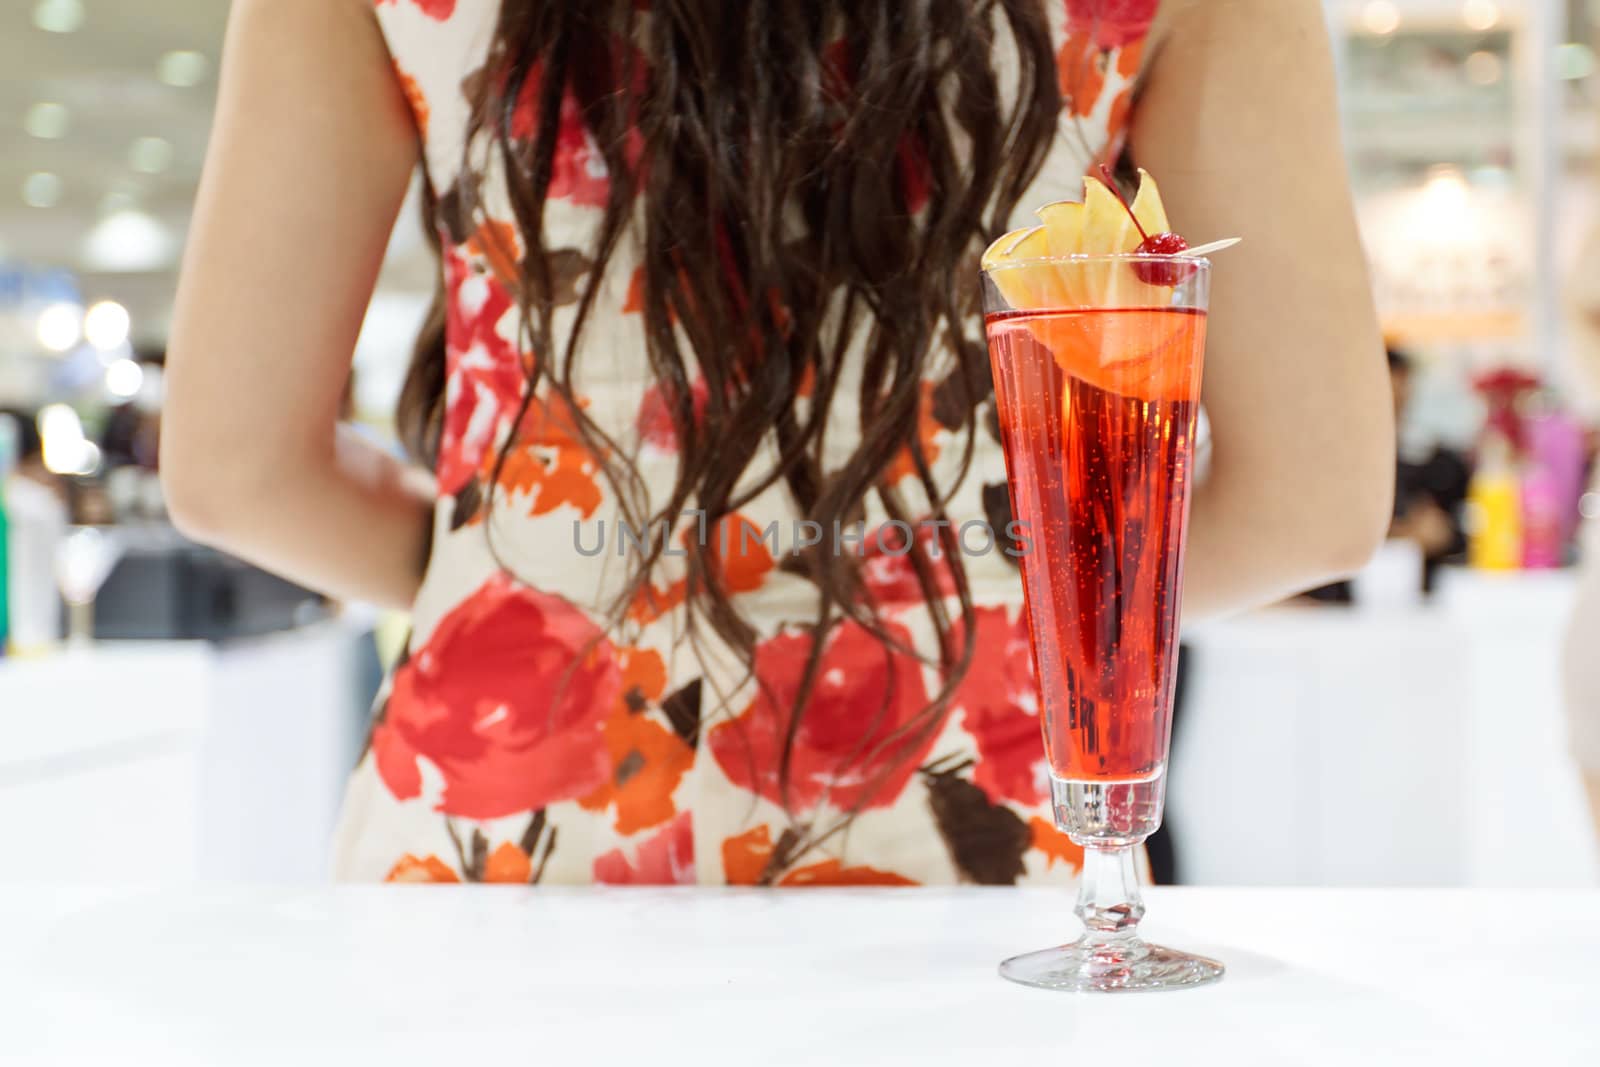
[847, 738]
[578, 169]
[886, 565]
[998, 702]
[654, 420]
[1111, 23]
[665, 859]
[911, 156]
[507, 700]
[916, 176]
[484, 379]
[434, 9]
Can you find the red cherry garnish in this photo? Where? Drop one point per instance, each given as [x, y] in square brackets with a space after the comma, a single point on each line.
[1169, 274]
[1161, 244]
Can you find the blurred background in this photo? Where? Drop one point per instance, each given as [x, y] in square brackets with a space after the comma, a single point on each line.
[171, 715]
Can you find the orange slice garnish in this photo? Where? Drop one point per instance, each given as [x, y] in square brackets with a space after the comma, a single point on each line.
[1091, 347]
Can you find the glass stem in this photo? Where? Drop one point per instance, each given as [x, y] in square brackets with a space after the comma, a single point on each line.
[80, 624]
[1108, 895]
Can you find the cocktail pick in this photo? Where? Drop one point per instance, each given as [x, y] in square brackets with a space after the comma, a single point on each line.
[1214, 246]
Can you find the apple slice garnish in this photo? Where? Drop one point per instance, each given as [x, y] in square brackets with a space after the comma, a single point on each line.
[1105, 349]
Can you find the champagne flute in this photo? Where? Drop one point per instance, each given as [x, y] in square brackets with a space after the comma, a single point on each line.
[1097, 363]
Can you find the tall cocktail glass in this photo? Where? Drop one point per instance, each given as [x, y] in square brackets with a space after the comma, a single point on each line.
[1097, 363]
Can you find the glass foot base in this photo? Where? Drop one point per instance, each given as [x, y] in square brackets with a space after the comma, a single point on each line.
[1121, 966]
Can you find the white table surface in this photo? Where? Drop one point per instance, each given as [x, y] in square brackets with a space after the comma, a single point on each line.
[392, 976]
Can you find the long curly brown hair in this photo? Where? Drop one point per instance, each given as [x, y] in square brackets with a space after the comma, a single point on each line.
[807, 179]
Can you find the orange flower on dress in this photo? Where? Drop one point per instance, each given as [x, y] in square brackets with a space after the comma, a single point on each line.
[739, 557]
[550, 462]
[648, 759]
[832, 872]
[501, 248]
[509, 865]
[1081, 72]
[411, 868]
[415, 100]
[928, 431]
[1095, 28]
[1055, 844]
[507, 700]
[653, 601]
[745, 856]
[633, 303]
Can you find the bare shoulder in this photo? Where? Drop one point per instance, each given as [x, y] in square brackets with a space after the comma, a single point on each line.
[344, 13]
[1236, 23]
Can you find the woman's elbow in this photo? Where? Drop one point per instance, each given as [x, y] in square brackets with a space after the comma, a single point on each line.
[1364, 523]
[194, 492]
[1349, 519]
[207, 486]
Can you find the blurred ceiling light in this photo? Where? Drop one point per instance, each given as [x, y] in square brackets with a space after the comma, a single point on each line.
[1445, 198]
[1480, 14]
[150, 155]
[60, 326]
[41, 189]
[1380, 17]
[123, 378]
[1483, 68]
[46, 120]
[58, 16]
[105, 325]
[128, 241]
[66, 450]
[1574, 61]
[183, 70]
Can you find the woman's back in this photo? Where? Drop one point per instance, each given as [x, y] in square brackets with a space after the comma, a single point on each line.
[658, 757]
[790, 277]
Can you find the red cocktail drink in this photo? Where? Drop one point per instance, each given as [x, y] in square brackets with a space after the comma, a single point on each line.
[1097, 414]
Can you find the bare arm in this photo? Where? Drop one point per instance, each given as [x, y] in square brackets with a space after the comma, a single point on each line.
[309, 160]
[1239, 123]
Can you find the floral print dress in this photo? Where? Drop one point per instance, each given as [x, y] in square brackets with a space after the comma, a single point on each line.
[522, 739]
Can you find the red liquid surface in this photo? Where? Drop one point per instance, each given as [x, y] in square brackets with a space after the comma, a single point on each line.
[1097, 413]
